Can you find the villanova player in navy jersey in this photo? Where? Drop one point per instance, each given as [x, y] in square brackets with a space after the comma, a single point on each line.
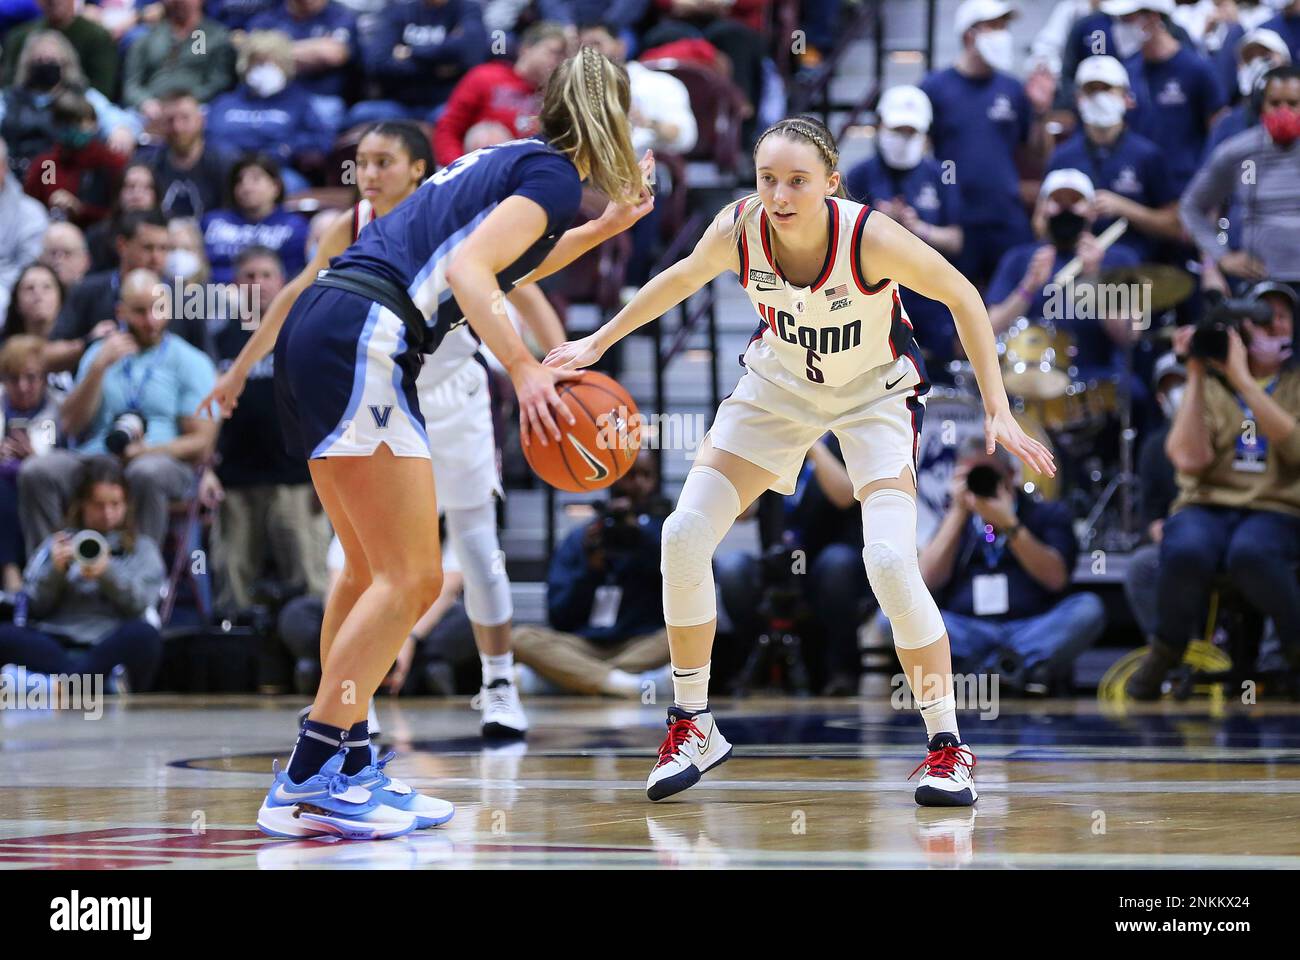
[346, 361]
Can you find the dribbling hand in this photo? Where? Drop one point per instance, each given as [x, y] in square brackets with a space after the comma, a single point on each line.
[535, 388]
[1002, 428]
[225, 395]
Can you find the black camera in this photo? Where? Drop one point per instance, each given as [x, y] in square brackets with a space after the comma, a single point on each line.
[1210, 341]
[127, 429]
[983, 480]
[620, 528]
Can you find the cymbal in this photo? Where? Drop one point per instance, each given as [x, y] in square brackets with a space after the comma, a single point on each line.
[1169, 286]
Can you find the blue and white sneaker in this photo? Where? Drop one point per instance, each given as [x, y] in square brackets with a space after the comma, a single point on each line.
[428, 811]
[693, 747]
[329, 804]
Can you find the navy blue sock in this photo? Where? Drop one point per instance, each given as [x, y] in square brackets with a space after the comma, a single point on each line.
[358, 743]
[317, 742]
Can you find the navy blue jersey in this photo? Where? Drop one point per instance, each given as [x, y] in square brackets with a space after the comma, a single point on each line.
[414, 244]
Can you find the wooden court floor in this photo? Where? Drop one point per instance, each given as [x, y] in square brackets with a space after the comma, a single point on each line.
[170, 782]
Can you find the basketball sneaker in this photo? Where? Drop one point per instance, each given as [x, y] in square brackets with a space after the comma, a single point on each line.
[502, 714]
[428, 811]
[329, 804]
[947, 780]
[693, 747]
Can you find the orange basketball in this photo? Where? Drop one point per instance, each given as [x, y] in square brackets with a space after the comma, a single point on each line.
[599, 447]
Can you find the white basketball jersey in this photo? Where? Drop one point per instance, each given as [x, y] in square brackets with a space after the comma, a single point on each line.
[836, 329]
[456, 347]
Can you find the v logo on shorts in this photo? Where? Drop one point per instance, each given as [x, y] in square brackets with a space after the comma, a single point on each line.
[381, 415]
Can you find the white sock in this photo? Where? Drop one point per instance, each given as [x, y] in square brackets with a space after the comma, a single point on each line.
[500, 667]
[620, 683]
[691, 687]
[940, 716]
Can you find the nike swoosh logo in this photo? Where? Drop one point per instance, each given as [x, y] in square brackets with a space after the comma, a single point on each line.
[599, 470]
[287, 796]
[762, 289]
[707, 740]
[891, 386]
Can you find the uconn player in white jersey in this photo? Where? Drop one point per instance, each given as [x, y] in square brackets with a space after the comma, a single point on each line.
[833, 352]
[347, 358]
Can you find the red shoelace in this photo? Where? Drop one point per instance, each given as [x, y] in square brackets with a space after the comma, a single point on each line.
[678, 731]
[944, 761]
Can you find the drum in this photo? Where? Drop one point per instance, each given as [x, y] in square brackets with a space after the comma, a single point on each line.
[1086, 406]
[1036, 360]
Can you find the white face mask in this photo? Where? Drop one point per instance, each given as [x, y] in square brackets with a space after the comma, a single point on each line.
[1102, 109]
[182, 263]
[1129, 38]
[1249, 73]
[1170, 400]
[899, 150]
[996, 48]
[266, 79]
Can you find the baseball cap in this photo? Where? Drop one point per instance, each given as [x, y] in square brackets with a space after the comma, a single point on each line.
[1268, 39]
[1167, 365]
[1067, 179]
[1122, 8]
[1101, 69]
[1260, 290]
[980, 11]
[905, 106]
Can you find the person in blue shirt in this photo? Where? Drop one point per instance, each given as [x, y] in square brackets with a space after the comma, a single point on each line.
[346, 360]
[1257, 53]
[1286, 24]
[1177, 93]
[983, 119]
[237, 14]
[416, 53]
[255, 217]
[907, 184]
[1127, 170]
[324, 35]
[270, 112]
[1089, 37]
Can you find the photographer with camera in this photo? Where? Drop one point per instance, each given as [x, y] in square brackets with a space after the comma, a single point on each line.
[1236, 446]
[1000, 566]
[604, 596]
[134, 397]
[90, 588]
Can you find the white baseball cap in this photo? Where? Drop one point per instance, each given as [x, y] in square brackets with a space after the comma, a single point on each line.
[1101, 69]
[905, 106]
[1268, 39]
[1068, 179]
[980, 11]
[1122, 8]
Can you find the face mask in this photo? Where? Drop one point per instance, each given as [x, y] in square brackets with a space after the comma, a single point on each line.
[1102, 109]
[1249, 73]
[1267, 350]
[44, 75]
[1128, 37]
[1170, 401]
[266, 79]
[75, 138]
[996, 48]
[900, 151]
[1277, 4]
[1064, 229]
[182, 263]
[1283, 125]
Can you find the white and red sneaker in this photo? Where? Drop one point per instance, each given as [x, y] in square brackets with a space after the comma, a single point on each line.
[947, 780]
[693, 747]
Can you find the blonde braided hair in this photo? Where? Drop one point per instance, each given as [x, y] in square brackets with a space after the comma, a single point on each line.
[808, 129]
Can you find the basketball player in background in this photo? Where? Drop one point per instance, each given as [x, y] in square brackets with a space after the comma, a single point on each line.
[834, 351]
[346, 363]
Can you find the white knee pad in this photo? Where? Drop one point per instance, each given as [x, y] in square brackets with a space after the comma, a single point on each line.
[705, 511]
[473, 534]
[889, 532]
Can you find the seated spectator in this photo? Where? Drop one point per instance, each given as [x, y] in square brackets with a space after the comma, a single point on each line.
[151, 374]
[1286, 24]
[77, 179]
[1259, 52]
[34, 310]
[1000, 568]
[324, 36]
[1157, 490]
[267, 510]
[255, 217]
[95, 48]
[138, 191]
[606, 633]
[25, 223]
[1024, 282]
[1177, 92]
[417, 53]
[123, 19]
[237, 15]
[622, 16]
[64, 251]
[190, 170]
[90, 311]
[47, 69]
[1235, 443]
[92, 617]
[984, 119]
[31, 428]
[1266, 241]
[167, 58]
[501, 92]
[1127, 170]
[906, 184]
[270, 112]
[188, 258]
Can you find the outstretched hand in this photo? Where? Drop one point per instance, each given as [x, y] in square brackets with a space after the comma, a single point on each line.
[1002, 428]
[574, 354]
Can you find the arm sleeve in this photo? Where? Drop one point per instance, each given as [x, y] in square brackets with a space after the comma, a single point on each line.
[1212, 186]
[570, 585]
[551, 182]
[132, 583]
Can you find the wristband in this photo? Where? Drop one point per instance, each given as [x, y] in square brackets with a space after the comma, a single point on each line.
[1011, 534]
